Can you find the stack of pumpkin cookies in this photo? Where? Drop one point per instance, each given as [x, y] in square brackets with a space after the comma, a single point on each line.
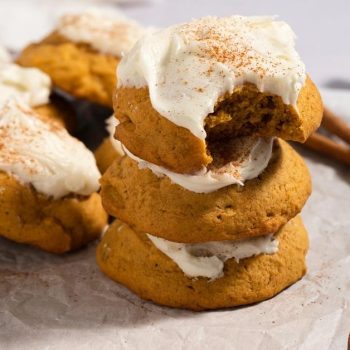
[208, 194]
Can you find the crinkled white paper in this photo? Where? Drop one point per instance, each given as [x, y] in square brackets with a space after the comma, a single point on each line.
[50, 302]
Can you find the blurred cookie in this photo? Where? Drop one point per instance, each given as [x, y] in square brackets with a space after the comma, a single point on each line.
[154, 204]
[81, 55]
[130, 258]
[48, 182]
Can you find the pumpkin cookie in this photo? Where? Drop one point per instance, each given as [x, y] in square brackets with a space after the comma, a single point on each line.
[130, 258]
[54, 225]
[48, 183]
[228, 77]
[154, 204]
[82, 54]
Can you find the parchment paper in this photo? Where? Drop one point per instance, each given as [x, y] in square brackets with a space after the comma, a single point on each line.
[50, 302]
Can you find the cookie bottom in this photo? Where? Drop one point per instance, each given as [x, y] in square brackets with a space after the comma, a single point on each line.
[130, 258]
[55, 226]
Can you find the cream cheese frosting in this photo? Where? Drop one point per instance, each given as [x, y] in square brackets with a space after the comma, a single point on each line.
[111, 124]
[108, 32]
[188, 67]
[44, 155]
[207, 259]
[231, 173]
[28, 85]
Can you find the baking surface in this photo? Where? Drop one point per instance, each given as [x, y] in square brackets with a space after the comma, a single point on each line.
[65, 302]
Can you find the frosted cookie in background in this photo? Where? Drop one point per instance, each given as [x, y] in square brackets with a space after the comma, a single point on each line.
[49, 182]
[33, 87]
[82, 53]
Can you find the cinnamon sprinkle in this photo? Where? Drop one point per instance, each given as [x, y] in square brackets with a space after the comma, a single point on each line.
[14, 135]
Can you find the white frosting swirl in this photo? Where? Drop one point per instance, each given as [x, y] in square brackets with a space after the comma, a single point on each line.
[207, 259]
[188, 67]
[44, 155]
[206, 180]
[108, 32]
[28, 85]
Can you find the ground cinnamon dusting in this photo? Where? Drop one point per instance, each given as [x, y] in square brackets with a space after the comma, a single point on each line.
[15, 135]
[226, 42]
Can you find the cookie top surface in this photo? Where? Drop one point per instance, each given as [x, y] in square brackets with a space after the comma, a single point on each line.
[44, 154]
[188, 67]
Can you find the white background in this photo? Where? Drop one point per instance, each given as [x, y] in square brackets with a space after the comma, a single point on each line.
[322, 27]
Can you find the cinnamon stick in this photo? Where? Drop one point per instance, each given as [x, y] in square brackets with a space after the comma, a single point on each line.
[328, 147]
[336, 125]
